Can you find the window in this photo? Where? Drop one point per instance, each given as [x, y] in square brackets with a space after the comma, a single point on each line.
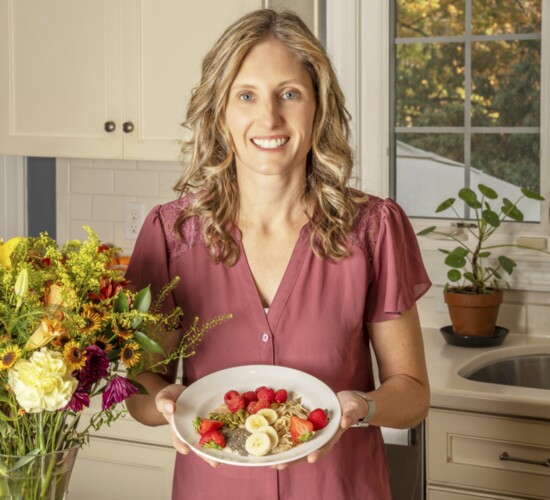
[465, 100]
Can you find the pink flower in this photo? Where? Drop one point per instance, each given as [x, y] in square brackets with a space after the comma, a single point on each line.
[117, 390]
[96, 368]
[79, 400]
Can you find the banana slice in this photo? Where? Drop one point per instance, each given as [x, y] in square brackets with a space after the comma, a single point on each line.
[269, 414]
[258, 444]
[255, 422]
[272, 433]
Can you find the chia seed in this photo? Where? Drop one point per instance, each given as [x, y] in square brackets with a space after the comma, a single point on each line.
[235, 440]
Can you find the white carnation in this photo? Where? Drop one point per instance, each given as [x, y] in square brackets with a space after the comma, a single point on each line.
[42, 382]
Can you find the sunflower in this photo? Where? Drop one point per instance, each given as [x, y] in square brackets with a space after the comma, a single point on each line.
[129, 354]
[8, 356]
[74, 357]
[123, 331]
[62, 340]
[103, 343]
[93, 318]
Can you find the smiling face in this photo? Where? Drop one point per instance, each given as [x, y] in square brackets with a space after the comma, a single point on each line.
[270, 110]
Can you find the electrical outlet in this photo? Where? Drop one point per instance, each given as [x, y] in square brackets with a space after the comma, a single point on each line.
[134, 219]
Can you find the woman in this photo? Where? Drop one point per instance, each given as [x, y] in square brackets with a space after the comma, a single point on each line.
[266, 229]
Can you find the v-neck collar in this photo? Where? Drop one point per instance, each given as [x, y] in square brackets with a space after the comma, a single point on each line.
[270, 320]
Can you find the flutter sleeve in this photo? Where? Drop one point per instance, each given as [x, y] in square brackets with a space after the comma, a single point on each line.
[400, 277]
[149, 263]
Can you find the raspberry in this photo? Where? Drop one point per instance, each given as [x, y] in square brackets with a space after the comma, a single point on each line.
[266, 393]
[281, 396]
[256, 406]
[249, 396]
[229, 395]
[236, 403]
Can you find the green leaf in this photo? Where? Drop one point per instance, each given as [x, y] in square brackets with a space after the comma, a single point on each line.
[510, 210]
[25, 459]
[455, 261]
[121, 303]
[147, 343]
[444, 250]
[454, 275]
[507, 264]
[491, 217]
[426, 231]
[483, 255]
[532, 195]
[142, 301]
[469, 197]
[470, 277]
[460, 252]
[445, 205]
[487, 192]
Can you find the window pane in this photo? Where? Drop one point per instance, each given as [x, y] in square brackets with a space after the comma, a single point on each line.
[429, 167]
[430, 84]
[513, 158]
[492, 17]
[429, 18]
[506, 83]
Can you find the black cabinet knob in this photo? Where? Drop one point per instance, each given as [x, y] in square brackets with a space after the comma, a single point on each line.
[128, 127]
[110, 126]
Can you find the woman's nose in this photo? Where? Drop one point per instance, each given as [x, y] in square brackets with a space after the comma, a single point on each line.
[270, 112]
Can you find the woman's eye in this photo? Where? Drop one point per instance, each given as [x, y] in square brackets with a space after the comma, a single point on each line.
[245, 97]
[290, 95]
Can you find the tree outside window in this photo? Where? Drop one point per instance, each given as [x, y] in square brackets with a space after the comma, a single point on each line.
[466, 99]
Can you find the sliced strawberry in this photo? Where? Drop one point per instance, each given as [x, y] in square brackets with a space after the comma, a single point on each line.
[256, 406]
[229, 395]
[301, 430]
[204, 425]
[318, 418]
[213, 439]
[266, 393]
[236, 403]
[281, 396]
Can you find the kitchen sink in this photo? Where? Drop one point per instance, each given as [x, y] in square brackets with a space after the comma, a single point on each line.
[531, 370]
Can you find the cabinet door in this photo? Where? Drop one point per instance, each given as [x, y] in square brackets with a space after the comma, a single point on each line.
[60, 78]
[164, 43]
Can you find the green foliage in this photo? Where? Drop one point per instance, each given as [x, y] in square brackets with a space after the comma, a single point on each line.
[470, 268]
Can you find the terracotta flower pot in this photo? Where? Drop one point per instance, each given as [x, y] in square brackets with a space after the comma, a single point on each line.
[473, 314]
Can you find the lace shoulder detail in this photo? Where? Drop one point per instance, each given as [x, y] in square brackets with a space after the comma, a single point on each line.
[367, 226]
[191, 234]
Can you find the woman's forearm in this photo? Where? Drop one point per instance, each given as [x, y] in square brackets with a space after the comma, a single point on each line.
[142, 406]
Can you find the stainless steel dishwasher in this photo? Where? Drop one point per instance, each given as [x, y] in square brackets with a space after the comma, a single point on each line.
[405, 450]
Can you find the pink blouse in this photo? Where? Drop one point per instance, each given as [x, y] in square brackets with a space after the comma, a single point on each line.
[316, 323]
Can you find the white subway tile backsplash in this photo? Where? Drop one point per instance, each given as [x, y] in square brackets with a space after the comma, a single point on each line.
[109, 208]
[92, 181]
[104, 230]
[136, 183]
[159, 166]
[81, 206]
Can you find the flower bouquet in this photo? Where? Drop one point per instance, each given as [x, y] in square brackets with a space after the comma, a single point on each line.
[70, 330]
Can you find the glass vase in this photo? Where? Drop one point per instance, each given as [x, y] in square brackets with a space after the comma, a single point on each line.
[41, 477]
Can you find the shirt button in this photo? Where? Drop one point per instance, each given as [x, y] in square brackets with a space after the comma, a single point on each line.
[265, 337]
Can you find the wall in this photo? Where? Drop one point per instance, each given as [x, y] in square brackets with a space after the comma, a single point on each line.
[94, 192]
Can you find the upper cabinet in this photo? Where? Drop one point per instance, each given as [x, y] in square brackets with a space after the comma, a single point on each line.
[107, 78]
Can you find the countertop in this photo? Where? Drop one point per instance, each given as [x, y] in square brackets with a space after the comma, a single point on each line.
[452, 391]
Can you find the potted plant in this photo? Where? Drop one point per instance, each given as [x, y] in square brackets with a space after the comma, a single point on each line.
[474, 293]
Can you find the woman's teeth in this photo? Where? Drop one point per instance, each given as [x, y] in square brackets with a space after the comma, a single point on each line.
[269, 143]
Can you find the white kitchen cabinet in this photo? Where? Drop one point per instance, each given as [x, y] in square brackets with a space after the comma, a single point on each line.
[465, 454]
[70, 69]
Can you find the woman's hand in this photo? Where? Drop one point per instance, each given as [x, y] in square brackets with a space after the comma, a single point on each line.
[165, 401]
[353, 409]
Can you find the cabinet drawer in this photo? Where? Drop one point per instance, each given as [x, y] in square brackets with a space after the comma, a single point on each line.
[448, 494]
[465, 450]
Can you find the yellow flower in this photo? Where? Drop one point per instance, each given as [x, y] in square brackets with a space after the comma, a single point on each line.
[129, 354]
[123, 331]
[42, 382]
[93, 317]
[8, 356]
[6, 249]
[103, 343]
[45, 333]
[75, 358]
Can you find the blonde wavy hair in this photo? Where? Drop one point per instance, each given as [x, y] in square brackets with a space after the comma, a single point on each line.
[211, 172]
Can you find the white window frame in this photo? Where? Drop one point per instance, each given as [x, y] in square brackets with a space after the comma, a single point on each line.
[13, 197]
[358, 41]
